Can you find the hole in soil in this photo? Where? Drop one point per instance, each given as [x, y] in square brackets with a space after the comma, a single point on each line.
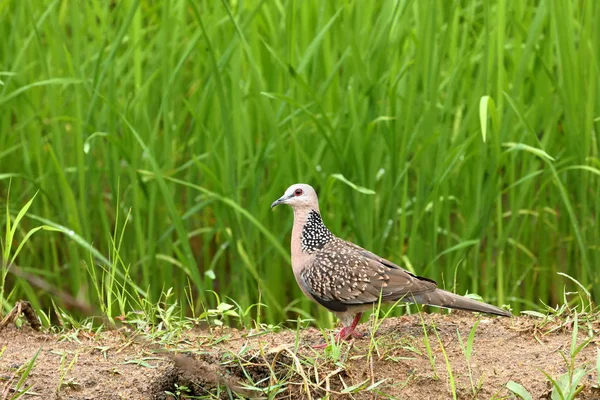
[224, 375]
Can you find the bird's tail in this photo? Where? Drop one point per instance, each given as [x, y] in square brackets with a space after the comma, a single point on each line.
[442, 298]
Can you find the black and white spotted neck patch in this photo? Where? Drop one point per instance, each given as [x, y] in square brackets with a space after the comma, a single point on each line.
[315, 234]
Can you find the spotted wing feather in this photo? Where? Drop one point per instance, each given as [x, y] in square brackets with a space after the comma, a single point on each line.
[343, 274]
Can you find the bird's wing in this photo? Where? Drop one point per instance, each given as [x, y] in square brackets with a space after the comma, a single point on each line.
[343, 274]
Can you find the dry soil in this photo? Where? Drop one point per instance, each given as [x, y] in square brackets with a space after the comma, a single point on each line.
[217, 363]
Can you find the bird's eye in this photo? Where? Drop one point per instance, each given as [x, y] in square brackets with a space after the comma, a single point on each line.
[297, 192]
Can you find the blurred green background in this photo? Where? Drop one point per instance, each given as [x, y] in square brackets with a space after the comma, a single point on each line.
[457, 138]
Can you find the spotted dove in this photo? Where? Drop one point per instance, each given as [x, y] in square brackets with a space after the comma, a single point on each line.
[347, 279]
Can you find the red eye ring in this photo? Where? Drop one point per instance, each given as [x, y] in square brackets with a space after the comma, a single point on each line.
[298, 192]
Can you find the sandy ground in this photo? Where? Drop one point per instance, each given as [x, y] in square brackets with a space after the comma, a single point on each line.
[218, 363]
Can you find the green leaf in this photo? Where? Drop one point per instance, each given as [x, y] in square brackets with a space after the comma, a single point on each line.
[486, 103]
[224, 307]
[532, 313]
[557, 392]
[471, 339]
[461, 245]
[356, 388]
[587, 293]
[27, 236]
[525, 147]
[210, 274]
[519, 390]
[48, 82]
[359, 189]
[572, 167]
[141, 362]
[9, 175]
[374, 385]
[20, 216]
[318, 38]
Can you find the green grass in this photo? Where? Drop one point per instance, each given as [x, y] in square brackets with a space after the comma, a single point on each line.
[156, 135]
[568, 385]
[14, 388]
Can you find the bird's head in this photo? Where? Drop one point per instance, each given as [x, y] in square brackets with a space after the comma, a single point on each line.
[299, 196]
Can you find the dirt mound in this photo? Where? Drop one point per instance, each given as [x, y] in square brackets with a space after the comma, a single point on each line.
[407, 358]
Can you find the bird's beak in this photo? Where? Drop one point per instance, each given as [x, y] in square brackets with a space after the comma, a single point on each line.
[279, 201]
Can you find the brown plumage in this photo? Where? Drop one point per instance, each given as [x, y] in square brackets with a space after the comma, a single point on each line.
[347, 279]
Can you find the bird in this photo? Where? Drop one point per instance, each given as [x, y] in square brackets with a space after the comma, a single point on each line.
[347, 279]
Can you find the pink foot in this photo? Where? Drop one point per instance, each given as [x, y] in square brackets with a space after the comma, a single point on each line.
[343, 334]
[350, 331]
[357, 335]
[346, 333]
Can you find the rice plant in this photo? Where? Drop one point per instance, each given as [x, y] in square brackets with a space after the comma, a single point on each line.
[459, 139]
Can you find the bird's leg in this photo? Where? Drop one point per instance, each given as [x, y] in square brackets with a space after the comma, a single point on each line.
[345, 333]
[348, 331]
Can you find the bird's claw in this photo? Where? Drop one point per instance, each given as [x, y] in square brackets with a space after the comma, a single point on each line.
[345, 334]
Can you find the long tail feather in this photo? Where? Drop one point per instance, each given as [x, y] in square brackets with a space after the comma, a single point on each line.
[442, 298]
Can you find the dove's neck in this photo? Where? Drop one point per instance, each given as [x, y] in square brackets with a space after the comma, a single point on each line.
[309, 233]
